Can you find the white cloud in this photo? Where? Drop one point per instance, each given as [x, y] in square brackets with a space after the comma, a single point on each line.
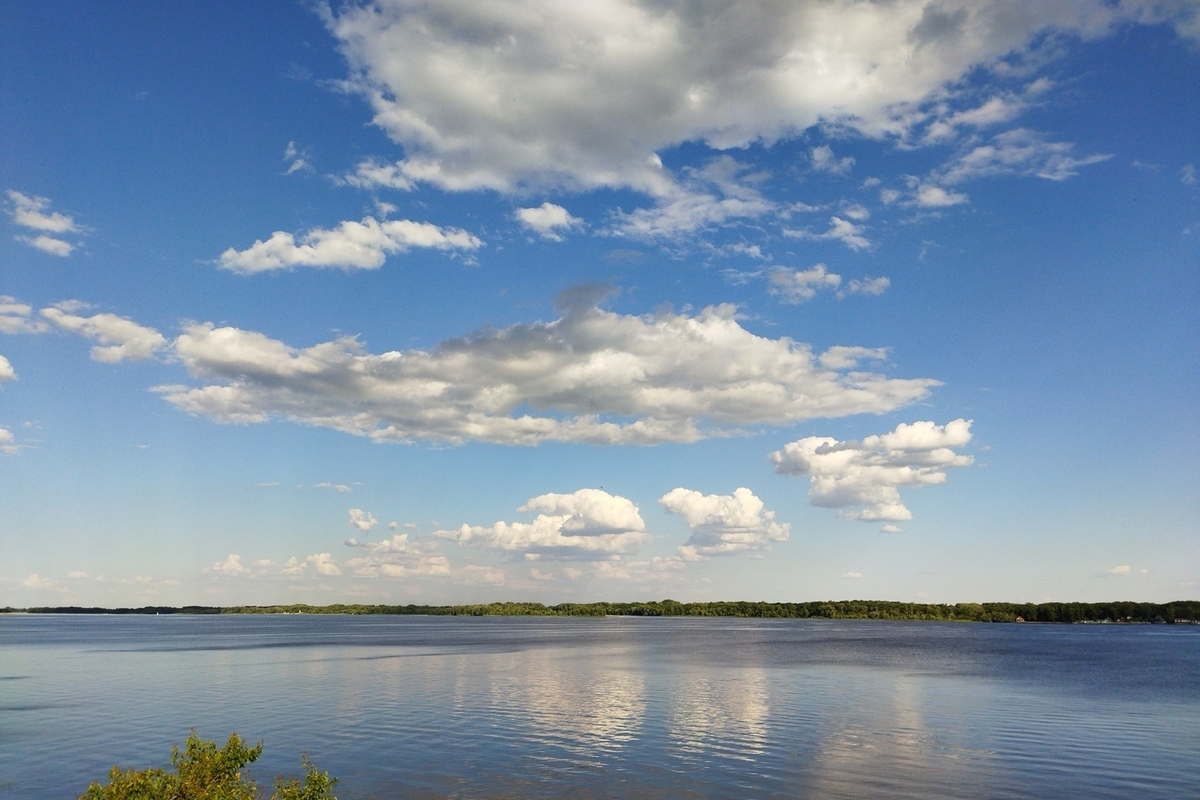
[718, 193]
[29, 212]
[890, 528]
[1188, 174]
[351, 245]
[856, 212]
[397, 558]
[362, 520]
[724, 524]
[297, 158]
[7, 373]
[333, 487]
[795, 285]
[474, 574]
[1123, 569]
[843, 357]
[538, 575]
[548, 220]
[592, 376]
[15, 317]
[321, 563]
[588, 524]
[657, 570]
[997, 109]
[8, 443]
[1015, 152]
[231, 567]
[930, 196]
[373, 174]
[48, 244]
[862, 479]
[867, 285]
[33, 213]
[35, 581]
[851, 574]
[583, 95]
[823, 160]
[841, 230]
[119, 338]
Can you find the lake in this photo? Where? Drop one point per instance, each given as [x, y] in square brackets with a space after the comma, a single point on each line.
[430, 707]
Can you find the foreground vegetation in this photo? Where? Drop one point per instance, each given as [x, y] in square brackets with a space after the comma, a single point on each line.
[1178, 611]
[204, 771]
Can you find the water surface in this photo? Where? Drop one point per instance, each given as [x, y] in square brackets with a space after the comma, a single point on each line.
[614, 707]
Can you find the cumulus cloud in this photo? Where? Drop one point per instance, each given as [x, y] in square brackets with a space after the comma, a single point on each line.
[583, 95]
[591, 376]
[724, 524]
[823, 160]
[1016, 152]
[840, 230]
[397, 557]
[15, 317]
[8, 443]
[33, 213]
[321, 563]
[794, 285]
[1123, 569]
[930, 196]
[231, 567]
[362, 520]
[351, 245]
[547, 220]
[119, 338]
[586, 524]
[7, 373]
[861, 479]
[333, 487]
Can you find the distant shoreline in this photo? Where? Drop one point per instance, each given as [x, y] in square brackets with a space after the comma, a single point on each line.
[1120, 612]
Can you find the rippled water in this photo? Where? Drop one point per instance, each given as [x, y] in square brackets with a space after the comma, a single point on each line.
[526, 707]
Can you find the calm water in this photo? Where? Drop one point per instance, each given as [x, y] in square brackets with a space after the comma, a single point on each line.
[491, 707]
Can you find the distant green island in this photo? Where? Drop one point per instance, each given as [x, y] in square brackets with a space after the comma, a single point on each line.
[1180, 611]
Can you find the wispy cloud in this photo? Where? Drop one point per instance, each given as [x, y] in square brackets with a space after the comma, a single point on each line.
[34, 213]
[351, 245]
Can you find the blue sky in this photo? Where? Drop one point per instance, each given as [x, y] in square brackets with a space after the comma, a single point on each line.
[450, 302]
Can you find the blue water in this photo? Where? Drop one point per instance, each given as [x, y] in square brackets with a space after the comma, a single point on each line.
[427, 707]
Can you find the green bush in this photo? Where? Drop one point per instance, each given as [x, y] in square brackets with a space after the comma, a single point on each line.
[205, 772]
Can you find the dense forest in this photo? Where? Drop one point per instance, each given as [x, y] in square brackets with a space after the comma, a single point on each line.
[1127, 612]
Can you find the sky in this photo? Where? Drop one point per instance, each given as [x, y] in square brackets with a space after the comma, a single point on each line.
[449, 302]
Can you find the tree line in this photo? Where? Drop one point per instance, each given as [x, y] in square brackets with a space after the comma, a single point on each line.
[1121, 611]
